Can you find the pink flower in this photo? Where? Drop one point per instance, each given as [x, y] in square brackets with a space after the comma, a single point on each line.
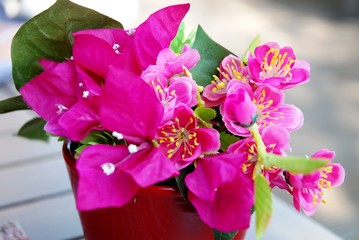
[221, 193]
[174, 63]
[71, 102]
[170, 81]
[134, 49]
[238, 110]
[265, 106]
[277, 67]
[308, 190]
[276, 140]
[109, 176]
[231, 68]
[124, 168]
[183, 140]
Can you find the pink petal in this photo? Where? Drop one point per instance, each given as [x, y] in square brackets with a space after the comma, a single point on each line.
[324, 153]
[80, 120]
[98, 190]
[46, 86]
[208, 138]
[94, 50]
[278, 136]
[336, 177]
[149, 166]
[130, 106]
[157, 32]
[203, 183]
[288, 116]
[220, 198]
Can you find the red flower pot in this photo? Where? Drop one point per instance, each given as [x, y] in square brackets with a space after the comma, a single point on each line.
[156, 212]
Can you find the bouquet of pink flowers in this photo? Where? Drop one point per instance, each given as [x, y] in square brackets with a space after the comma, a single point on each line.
[149, 104]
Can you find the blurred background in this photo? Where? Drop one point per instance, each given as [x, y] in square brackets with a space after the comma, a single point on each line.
[323, 32]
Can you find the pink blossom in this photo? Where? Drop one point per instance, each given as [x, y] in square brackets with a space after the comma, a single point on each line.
[221, 193]
[183, 140]
[276, 140]
[169, 78]
[308, 190]
[230, 68]
[138, 163]
[174, 63]
[71, 108]
[135, 49]
[238, 110]
[265, 106]
[109, 176]
[277, 67]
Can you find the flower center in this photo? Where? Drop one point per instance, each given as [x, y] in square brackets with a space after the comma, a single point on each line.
[276, 65]
[230, 72]
[178, 139]
[166, 96]
[265, 110]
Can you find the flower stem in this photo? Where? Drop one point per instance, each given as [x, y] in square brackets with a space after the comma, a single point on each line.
[261, 148]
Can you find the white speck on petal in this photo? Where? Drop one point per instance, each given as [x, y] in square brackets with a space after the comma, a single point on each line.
[116, 47]
[85, 94]
[117, 135]
[108, 168]
[131, 32]
[61, 108]
[132, 148]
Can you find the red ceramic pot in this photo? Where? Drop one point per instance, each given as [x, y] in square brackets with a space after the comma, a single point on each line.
[157, 212]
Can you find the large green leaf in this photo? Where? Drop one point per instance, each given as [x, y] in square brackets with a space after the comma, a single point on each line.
[263, 204]
[34, 129]
[296, 164]
[12, 104]
[211, 56]
[48, 35]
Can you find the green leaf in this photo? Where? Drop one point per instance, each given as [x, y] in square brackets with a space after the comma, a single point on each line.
[254, 43]
[80, 149]
[295, 164]
[12, 104]
[263, 204]
[227, 139]
[181, 39]
[218, 235]
[177, 43]
[205, 114]
[211, 56]
[34, 129]
[99, 137]
[48, 35]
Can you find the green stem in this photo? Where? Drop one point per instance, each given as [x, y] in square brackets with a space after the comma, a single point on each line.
[199, 99]
[261, 148]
